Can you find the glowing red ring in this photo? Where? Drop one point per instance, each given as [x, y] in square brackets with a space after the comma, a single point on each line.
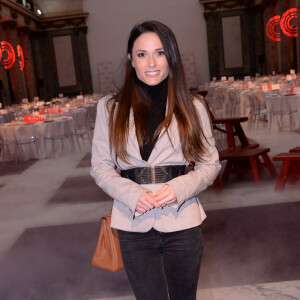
[270, 29]
[10, 60]
[20, 54]
[285, 22]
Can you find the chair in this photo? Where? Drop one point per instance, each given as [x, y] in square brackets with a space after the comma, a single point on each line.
[257, 108]
[9, 149]
[233, 103]
[56, 132]
[220, 102]
[281, 109]
[25, 136]
[82, 127]
[91, 115]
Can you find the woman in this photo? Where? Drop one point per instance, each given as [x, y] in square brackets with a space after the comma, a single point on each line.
[151, 130]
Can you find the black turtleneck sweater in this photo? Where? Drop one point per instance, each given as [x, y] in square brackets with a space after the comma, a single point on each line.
[157, 95]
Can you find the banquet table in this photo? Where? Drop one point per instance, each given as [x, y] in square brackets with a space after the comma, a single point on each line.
[5, 117]
[280, 102]
[46, 132]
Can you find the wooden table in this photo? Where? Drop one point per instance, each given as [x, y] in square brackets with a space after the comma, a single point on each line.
[243, 159]
[234, 128]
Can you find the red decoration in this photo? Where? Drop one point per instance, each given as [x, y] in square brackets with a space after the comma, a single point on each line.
[285, 22]
[10, 55]
[20, 54]
[10, 60]
[270, 28]
[285, 25]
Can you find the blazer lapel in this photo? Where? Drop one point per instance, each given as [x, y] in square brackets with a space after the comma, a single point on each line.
[133, 146]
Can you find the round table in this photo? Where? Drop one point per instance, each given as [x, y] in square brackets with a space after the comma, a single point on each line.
[37, 140]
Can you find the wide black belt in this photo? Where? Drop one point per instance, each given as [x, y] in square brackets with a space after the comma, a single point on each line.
[158, 174]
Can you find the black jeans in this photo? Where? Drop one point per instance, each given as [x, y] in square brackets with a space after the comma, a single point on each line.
[162, 266]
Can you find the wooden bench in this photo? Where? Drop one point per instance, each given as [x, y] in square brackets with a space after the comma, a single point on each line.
[294, 168]
[246, 160]
[290, 168]
[296, 149]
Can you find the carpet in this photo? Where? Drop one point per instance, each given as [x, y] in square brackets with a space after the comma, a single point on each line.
[13, 168]
[85, 162]
[249, 245]
[241, 246]
[81, 189]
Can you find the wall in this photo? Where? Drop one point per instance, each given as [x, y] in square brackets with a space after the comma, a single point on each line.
[110, 22]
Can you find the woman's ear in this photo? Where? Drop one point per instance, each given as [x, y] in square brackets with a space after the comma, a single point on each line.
[129, 57]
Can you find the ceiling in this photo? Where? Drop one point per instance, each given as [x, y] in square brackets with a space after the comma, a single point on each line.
[52, 8]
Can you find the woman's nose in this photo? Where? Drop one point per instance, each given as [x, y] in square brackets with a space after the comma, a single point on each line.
[151, 61]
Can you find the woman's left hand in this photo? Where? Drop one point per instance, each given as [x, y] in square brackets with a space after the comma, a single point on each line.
[165, 196]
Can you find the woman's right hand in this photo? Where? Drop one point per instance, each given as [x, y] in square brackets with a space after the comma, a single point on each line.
[147, 202]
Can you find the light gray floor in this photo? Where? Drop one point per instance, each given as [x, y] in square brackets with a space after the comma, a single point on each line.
[23, 201]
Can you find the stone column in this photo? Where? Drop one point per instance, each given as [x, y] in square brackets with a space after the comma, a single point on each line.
[298, 38]
[16, 74]
[259, 40]
[286, 44]
[212, 43]
[29, 73]
[5, 98]
[84, 61]
[271, 46]
[37, 51]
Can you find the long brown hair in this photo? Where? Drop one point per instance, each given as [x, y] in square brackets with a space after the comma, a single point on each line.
[180, 101]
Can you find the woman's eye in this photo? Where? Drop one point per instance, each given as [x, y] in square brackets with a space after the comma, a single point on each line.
[141, 54]
[161, 52]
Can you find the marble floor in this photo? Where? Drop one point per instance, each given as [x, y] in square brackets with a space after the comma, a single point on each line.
[49, 197]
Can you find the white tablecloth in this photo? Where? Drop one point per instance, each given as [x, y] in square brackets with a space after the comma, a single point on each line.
[44, 131]
[285, 103]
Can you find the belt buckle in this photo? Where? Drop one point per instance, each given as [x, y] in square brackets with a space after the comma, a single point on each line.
[144, 176]
[153, 175]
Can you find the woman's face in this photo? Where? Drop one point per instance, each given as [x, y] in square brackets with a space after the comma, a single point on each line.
[148, 59]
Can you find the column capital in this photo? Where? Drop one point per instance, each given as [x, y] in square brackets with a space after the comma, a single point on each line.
[27, 20]
[14, 14]
[9, 25]
[221, 5]
[67, 22]
[82, 29]
[24, 30]
[210, 14]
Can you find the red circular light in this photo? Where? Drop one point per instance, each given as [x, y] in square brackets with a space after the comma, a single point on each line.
[285, 22]
[270, 28]
[9, 61]
[20, 54]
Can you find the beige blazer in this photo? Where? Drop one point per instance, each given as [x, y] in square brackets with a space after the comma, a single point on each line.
[187, 212]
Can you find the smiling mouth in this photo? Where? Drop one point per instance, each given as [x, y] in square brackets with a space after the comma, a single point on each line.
[152, 73]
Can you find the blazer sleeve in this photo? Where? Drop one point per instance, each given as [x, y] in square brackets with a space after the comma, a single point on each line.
[190, 185]
[103, 165]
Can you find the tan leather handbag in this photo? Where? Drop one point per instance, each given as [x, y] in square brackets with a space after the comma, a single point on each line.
[108, 253]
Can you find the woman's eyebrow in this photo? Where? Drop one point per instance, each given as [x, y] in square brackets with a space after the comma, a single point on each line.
[140, 50]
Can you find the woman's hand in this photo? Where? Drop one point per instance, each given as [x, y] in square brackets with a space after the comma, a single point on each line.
[165, 196]
[147, 202]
